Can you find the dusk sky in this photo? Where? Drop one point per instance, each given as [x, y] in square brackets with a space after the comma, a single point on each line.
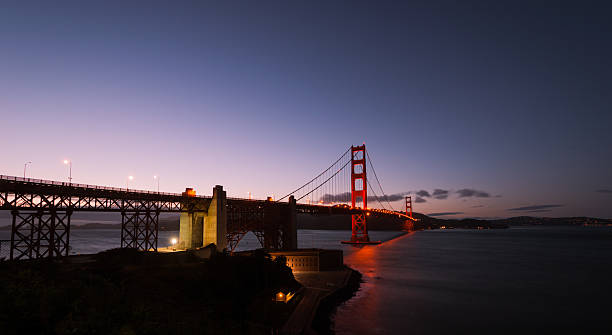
[504, 105]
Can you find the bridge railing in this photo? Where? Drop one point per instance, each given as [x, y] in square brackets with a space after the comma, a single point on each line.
[87, 186]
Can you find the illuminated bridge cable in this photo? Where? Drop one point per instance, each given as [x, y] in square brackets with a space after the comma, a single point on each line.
[378, 181]
[323, 183]
[315, 178]
[376, 195]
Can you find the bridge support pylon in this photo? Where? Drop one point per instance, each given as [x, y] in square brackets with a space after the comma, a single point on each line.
[191, 230]
[43, 233]
[201, 228]
[139, 229]
[215, 222]
[359, 197]
[291, 241]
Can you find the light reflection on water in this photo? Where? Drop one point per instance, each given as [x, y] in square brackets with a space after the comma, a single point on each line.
[520, 280]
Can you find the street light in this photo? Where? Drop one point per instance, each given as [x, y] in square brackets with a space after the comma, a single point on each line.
[68, 162]
[157, 178]
[24, 168]
[127, 185]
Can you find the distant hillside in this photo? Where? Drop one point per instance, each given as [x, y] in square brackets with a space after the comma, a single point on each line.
[575, 221]
[343, 222]
[164, 224]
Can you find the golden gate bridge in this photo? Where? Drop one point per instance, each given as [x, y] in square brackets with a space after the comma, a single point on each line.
[41, 211]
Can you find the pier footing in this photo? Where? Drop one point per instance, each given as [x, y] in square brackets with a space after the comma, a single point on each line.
[361, 242]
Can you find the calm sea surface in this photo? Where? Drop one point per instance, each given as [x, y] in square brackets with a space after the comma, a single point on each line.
[544, 280]
[519, 280]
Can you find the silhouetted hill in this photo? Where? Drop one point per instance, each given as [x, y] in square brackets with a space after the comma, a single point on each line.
[530, 220]
[343, 222]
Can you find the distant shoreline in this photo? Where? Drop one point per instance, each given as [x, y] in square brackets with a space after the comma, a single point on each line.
[342, 222]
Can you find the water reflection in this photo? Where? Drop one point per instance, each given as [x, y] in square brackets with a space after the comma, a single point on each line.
[468, 281]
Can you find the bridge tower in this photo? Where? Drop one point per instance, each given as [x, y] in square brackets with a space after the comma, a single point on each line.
[359, 196]
[409, 206]
[359, 191]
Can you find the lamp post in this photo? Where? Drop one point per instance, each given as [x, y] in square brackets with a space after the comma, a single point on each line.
[69, 163]
[127, 184]
[24, 168]
[156, 178]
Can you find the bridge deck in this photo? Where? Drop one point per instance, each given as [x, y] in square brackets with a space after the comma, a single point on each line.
[18, 193]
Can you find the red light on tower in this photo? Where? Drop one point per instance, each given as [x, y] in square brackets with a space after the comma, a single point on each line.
[189, 192]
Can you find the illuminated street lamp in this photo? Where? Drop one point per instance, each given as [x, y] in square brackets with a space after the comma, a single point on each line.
[69, 163]
[24, 168]
[156, 178]
[280, 297]
[128, 182]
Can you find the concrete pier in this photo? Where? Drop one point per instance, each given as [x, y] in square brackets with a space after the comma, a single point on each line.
[201, 228]
[215, 222]
[191, 230]
[211, 223]
[291, 233]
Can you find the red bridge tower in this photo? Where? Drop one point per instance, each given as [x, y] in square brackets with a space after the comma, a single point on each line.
[409, 206]
[359, 197]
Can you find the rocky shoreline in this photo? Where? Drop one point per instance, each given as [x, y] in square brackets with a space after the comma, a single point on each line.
[323, 320]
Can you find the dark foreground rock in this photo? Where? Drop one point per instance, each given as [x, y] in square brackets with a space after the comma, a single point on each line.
[124, 291]
[322, 322]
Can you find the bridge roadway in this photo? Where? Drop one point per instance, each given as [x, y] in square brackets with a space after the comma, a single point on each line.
[18, 193]
[41, 211]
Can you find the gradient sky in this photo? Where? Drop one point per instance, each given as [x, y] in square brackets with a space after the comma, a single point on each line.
[510, 99]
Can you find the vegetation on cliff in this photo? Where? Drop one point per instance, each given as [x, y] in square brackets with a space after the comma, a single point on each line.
[124, 291]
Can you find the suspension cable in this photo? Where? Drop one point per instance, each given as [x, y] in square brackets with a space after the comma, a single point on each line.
[313, 179]
[376, 195]
[377, 180]
[323, 183]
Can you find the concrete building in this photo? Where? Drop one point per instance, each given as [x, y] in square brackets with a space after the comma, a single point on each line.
[312, 259]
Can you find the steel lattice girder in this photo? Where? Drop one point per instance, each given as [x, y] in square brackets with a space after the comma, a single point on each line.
[29, 195]
[241, 220]
[40, 234]
[359, 228]
[139, 230]
[263, 219]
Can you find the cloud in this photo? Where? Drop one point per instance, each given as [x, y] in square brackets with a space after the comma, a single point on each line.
[603, 190]
[419, 200]
[468, 192]
[390, 197]
[477, 206]
[533, 208]
[346, 197]
[423, 193]
[540, 211]
[332, 198]
[440, 194]
[444, 213]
